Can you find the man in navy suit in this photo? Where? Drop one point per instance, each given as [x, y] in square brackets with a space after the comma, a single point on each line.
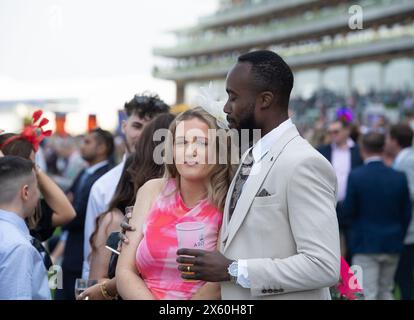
[377, 210]
[343, 153]
[97, 148]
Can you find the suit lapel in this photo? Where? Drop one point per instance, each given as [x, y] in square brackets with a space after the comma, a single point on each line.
[224, 226]
[329, 153]
[252, 187]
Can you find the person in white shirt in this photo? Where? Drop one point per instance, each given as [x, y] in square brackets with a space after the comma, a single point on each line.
[344, 156]
[342, 153]
[140, 110]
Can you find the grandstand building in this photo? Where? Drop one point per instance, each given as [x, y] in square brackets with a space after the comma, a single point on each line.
[320, 40]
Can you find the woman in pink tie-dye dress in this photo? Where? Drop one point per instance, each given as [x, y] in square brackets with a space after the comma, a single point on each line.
[194, 190]
[156, 254]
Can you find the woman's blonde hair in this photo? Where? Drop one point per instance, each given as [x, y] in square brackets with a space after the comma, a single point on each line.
[221, 174]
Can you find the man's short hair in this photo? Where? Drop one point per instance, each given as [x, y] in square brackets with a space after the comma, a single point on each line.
[270, 73]
[373, 142]
[106, 138]
[345, 124]
[14, 172]
[146, 106]
[403, 134]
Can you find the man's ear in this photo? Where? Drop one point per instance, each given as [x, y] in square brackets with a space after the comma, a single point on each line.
[25, 192]
[123, 126]
[266, 99]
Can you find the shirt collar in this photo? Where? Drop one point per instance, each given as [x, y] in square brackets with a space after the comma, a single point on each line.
[401, 155]
[373, 159]
[74, 155]
[349, 143]
[268, 140]
[15, 220]
[95, 167]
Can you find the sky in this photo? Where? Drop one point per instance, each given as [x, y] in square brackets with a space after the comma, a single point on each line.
[99, 51]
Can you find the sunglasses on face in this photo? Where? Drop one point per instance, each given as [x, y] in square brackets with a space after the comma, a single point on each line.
[333, 132]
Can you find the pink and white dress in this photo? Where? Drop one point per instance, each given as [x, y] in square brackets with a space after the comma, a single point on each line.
[157, 252]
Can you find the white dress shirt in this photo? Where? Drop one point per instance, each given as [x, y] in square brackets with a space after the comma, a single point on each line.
[92, 169]
[341, 162]
[373, 159]
[260, 149]
[100, 196]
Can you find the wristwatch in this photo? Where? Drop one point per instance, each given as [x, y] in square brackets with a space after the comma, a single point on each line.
[233, 271]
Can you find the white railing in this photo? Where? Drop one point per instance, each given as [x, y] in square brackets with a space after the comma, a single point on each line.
[245, 35]
[366, 38]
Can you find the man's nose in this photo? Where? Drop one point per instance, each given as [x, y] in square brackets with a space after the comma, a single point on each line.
[227, 108]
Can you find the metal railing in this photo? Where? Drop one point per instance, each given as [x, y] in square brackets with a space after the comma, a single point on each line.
[274, 30]
[292, 55]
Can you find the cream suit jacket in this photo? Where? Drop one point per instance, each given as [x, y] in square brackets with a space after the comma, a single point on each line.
[289, 237]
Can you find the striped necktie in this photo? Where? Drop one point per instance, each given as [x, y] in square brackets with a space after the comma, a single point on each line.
[241, 179]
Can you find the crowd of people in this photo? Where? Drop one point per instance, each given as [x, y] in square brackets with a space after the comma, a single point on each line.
[284, 223]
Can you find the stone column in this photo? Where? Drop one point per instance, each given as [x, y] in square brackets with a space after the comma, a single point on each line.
[179, 92]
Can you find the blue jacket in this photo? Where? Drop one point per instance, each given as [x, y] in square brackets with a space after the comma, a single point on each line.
[377, 209]
[356, 160]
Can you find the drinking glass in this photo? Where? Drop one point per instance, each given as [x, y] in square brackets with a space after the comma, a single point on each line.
[82, 284]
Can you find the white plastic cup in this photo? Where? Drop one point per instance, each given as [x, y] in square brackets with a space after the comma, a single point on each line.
[190, 235]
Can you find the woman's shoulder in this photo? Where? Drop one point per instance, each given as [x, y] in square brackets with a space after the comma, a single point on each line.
[150, 191]
[153, 186]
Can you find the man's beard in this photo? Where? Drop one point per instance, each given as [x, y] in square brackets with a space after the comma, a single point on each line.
[88, 158]
[247, 123]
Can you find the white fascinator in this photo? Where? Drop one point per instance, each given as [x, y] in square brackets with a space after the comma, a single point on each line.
[209, 99]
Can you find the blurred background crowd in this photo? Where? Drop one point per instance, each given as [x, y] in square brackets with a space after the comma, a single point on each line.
[354, 75]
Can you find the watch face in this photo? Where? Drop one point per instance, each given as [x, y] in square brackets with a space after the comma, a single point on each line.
[233, 269]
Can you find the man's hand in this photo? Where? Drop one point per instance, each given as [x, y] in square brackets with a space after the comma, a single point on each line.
[125, 226]
[204, 265]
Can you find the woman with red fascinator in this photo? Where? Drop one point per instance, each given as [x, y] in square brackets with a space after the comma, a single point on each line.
[54, 209]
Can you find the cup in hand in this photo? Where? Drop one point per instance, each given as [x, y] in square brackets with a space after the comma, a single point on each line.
[190, 235]
[82, 284]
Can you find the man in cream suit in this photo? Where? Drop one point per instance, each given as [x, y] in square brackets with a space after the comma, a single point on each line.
[280, 237]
